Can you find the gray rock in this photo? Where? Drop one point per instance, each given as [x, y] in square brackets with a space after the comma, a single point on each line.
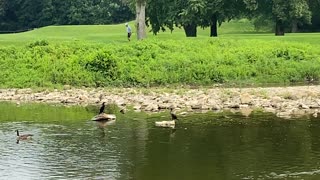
[270, 110]
[284, 114]
[137, 107]
[303, 106]
[276, 99]
[246, 111]
[216, 107]
[197, 106]
[205, 107]
[245, 98]
[234, 106]
[152, 107]
[164, 106]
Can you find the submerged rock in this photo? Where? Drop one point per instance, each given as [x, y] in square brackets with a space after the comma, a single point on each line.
[104, 117]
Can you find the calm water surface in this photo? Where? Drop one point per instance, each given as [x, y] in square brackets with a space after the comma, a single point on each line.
[204, 146]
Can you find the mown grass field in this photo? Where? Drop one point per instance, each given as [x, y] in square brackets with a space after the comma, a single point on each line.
[240, 29]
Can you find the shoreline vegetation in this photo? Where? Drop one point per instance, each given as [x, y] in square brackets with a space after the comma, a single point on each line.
[98, 64]
[158, 63]
[284, 102]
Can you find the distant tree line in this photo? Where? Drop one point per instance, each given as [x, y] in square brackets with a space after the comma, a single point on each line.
[286, 15]
[27, 14]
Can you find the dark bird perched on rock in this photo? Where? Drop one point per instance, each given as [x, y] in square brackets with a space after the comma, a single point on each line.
[103, 116]
[168, 124]
[102, 108]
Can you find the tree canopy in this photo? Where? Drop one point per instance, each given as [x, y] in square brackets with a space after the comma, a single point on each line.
[25, 14]
[286, 15]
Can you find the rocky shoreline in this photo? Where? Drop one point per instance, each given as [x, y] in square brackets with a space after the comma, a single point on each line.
[285, 102]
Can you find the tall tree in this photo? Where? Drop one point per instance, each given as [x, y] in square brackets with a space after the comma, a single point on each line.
[283, 12]
[180, 13]
[24, 14]
[192, 13]
[190, 16]
[161, 15]
[299, 14]
[2, 7]
[141, 18]
[315, 21]
[219, 11]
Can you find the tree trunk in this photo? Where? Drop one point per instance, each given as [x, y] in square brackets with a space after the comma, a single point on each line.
[294, 26]
[141, 19]
[190, 30]
[279, 28]
[213, 27]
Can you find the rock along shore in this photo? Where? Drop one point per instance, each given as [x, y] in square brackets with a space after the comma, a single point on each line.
[285, 102]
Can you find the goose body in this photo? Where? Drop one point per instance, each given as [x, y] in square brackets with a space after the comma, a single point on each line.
[24, 136]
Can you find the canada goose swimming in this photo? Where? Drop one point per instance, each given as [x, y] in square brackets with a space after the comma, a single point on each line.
[24, 136]
[170, 124]
[102, 108]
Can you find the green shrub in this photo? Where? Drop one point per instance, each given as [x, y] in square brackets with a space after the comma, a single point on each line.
[38, 43]
[158, 63]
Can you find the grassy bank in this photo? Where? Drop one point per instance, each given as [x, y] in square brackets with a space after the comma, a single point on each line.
[158, 62]
[113, 33]
[104, 34]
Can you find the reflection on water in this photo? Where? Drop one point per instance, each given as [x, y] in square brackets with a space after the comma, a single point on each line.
[203, 146]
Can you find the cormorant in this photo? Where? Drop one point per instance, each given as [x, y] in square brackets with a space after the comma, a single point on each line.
[102, 108]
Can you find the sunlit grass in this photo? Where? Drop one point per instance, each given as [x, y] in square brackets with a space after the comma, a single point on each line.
[240, 29]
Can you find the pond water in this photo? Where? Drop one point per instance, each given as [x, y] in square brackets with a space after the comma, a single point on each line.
[66, 145]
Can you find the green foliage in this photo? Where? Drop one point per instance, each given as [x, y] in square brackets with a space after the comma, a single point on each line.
[27, 14]
[261, 23]
[104, 65]
[158, 63]
[39, 43]
[192, 13]
[284, 13]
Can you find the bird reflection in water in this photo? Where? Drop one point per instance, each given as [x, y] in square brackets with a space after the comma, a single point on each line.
[102, 125]
[173, 132]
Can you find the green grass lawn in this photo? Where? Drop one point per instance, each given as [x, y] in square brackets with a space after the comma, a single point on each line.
[240, 29]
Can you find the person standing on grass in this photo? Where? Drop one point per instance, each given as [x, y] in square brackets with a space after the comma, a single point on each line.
[128, 31]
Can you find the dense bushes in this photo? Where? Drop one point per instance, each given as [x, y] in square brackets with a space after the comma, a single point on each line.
[149, 63]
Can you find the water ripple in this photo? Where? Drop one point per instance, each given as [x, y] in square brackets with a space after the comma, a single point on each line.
[55, 152]
[138, 150]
